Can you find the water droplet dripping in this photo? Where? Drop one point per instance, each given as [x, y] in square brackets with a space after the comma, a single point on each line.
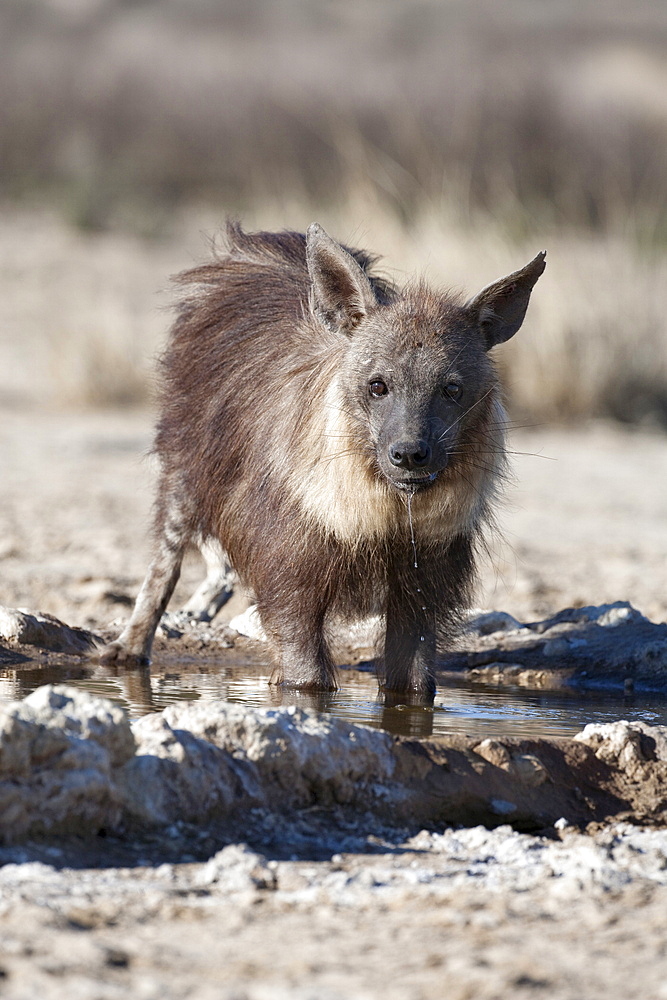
[412, 531]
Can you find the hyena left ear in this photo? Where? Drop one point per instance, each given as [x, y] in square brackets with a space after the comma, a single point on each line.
[341, 293]
[499, 309]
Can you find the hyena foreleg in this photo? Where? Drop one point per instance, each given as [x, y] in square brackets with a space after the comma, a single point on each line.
[172, 534]
[409, 651]
[299, 643]
[424, 605]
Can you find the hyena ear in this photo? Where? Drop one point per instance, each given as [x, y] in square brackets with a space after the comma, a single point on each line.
[341, 294]
[498, 310]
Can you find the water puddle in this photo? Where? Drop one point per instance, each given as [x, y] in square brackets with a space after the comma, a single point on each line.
[463, 708]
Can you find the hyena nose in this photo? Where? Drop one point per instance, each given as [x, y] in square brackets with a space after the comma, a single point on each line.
[410, 454]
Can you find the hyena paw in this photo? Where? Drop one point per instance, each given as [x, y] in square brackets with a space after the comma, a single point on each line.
[306, 682]
[117, 653]
[421, 692]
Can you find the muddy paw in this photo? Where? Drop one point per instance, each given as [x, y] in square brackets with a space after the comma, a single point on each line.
[307, 684]
[420, 694]
[116, 653]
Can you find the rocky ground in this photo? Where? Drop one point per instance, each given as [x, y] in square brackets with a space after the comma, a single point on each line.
[338, 902]
[288, 857]
[462, 914]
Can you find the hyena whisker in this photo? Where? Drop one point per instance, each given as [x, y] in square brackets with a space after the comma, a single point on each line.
[512, 425]
[338, 454]
[469, 410]
[508, 451]
[489, 467]
[531, 454]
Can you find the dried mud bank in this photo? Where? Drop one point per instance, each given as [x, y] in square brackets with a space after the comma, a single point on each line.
[466, 913]
[72, 763]
[215, 851]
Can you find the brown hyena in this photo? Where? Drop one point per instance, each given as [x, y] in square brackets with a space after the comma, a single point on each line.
[340, 439]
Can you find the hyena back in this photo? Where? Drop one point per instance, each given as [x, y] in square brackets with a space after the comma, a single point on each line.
[342, 440]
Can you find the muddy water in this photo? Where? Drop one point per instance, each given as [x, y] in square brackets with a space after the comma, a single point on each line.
[470, 709]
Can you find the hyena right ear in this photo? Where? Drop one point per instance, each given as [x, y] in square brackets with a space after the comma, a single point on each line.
[499, 309]
[341, 294]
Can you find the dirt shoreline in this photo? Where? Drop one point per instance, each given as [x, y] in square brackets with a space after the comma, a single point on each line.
[406, 919]
[335, 901]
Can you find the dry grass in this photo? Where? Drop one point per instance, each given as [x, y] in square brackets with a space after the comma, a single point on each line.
[543, 115]
[454, 137]
[80, 322]
[83, 314]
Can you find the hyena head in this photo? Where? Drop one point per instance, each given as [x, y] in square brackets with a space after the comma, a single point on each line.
[417, 382]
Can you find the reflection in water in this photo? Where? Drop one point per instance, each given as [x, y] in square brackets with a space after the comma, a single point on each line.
[135, 683]
[318, 701]
[17, 682]
[408, 720]
[460, 708]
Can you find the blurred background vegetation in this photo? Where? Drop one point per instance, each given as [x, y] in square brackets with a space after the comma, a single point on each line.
[453, 136]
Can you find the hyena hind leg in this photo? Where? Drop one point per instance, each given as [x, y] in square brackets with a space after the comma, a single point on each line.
[217, 588]
[133, 646]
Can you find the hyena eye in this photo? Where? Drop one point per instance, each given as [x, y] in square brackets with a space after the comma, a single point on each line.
[377, 388]
[453, 390]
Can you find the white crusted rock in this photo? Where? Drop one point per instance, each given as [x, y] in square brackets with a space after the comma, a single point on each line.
[58, 752]
[625, 743]
[34, 628]
[490, 622]
[300, 756]
[177, 774]
[236, 868]
[248, 623]
[58, 706]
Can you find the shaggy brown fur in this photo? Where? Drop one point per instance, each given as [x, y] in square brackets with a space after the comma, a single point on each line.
[340, 439]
